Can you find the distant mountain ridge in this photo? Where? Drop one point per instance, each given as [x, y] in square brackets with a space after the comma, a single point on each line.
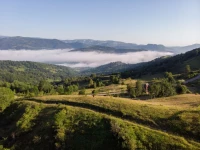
[105, 49]
[18, 43]
[113, 67]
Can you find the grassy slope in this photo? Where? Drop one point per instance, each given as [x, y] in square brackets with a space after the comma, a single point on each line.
[52, 126]
[178, 117]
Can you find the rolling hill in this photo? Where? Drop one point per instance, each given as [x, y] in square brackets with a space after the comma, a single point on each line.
[32, 72]
[114, 67]
[84, 122]
[174, 64]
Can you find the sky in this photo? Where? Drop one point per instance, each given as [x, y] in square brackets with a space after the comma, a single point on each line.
[168, 22]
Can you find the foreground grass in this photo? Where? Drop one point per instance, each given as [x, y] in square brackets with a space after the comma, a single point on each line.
[56, 126]
[178, 114]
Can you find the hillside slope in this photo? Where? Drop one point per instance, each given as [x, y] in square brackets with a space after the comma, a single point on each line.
[80, 122]
[32, 72]
[114, 67]
[174, 64]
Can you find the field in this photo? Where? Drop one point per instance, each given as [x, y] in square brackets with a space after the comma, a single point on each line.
[102, 122]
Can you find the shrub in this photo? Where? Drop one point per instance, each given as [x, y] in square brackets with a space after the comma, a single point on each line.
[181, 89]
[82, 92]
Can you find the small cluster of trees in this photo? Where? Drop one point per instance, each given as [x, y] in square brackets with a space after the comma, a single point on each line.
[135, 91]
[115, 79]
[167, 86]
[94, 81]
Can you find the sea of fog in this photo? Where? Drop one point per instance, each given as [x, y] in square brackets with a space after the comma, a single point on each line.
[79, 59]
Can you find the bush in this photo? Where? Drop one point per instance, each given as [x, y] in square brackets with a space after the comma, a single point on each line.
[6, 97]
[181, 89]
[82, 92]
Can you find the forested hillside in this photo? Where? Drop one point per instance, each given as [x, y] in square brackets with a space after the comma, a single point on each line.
[174, 64]
[32, 72]
[114, 67]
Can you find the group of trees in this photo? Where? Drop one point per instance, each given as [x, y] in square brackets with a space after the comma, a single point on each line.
[135, 91]
[167, 86]
[44, 87]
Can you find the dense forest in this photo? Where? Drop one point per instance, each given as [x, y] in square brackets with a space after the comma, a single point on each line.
[32, 72]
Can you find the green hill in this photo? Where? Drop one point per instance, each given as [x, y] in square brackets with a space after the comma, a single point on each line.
[84, 122]
[113, 67]
[174, 64]
[32, 72]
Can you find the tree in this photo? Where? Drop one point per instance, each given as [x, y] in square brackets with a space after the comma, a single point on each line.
[45, 86]
[91, 83]
[60, 89]
[115, 79]
[162, 89]
[187, 69]
[132, 93]
[170, 77]
[6, 97]
[138, 88]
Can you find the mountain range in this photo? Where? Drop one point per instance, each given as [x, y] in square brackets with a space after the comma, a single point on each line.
[106, 49]
[19, 43]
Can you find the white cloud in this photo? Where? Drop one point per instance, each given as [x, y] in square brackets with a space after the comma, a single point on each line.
[79, 59]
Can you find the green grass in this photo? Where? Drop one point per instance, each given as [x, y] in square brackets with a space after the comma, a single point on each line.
[57, 126]
[163, 113]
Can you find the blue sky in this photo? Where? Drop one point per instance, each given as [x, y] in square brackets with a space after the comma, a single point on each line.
[168, 22]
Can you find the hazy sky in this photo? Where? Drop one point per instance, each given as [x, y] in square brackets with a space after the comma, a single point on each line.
[168, 22]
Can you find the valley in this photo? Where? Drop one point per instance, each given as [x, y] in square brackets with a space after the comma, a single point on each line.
[151, 105]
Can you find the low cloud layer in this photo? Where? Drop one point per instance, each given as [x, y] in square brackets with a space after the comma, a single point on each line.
[79, 59]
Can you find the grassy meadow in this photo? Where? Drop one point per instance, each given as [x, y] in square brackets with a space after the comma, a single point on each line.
[102, 122]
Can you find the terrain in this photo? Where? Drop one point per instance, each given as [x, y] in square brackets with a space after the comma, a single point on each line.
[175, 64]
[84, 122]
[32, 72]
[45, 106]
[114, 67]
[105, 49]
[33, 43]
